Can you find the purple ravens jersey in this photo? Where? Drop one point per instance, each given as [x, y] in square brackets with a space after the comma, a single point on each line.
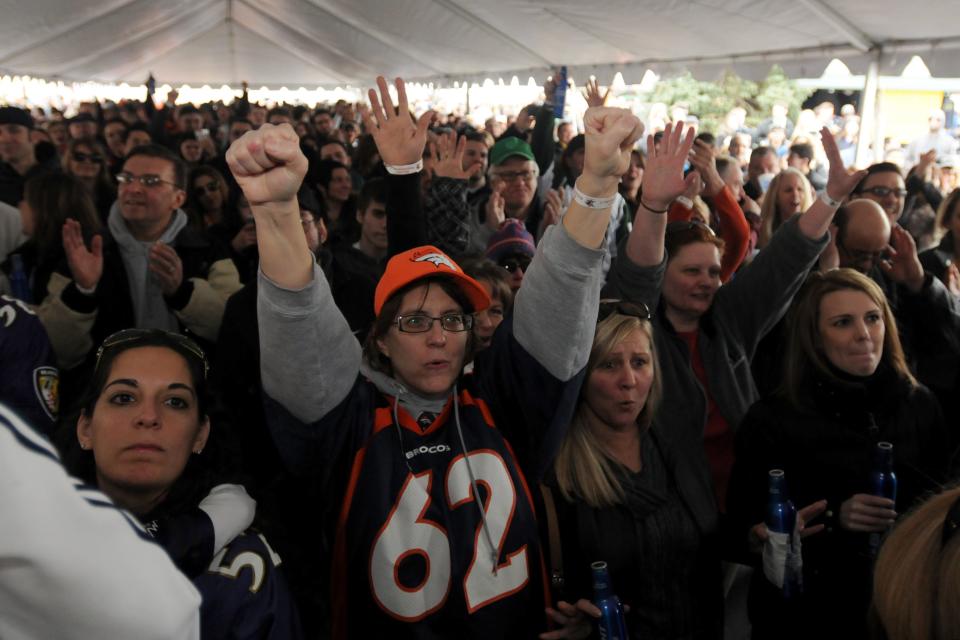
[30, 383]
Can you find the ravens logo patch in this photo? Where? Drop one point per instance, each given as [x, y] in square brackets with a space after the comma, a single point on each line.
[46, 384]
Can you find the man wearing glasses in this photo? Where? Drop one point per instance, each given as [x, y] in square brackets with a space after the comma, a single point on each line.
[513, 178]
[151, 270]
[884, 185]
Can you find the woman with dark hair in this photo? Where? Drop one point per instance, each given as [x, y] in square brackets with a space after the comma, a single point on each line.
[624, 495]
[87, 160]
[941, 260]
[401, 441]
[846, 388]
[366, 158]
[49, 201]
[332, 180]
[707, 334]
[207, 198]
[145, 441]
[495, 280]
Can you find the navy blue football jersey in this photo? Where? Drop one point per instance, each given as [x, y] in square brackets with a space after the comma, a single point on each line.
[30, 380]
[245, 595]
[417, 554]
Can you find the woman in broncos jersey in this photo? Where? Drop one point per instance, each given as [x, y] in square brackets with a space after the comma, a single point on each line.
[144, 440]
[433, 527]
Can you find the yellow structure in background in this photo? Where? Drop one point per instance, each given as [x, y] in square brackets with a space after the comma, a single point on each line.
[903, 113]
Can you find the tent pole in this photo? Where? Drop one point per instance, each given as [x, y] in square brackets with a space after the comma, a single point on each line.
[870, 126]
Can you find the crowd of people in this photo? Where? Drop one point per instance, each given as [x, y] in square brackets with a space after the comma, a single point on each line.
[364, 372]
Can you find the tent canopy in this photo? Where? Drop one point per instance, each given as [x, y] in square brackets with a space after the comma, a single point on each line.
[348, 42]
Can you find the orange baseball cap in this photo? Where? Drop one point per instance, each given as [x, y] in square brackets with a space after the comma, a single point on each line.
[426, 262]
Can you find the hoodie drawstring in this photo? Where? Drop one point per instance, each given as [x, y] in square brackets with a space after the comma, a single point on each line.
[473, 482]
[494, 555]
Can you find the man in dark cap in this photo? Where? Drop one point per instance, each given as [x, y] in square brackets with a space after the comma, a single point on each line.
[17, 159]
[81, 126]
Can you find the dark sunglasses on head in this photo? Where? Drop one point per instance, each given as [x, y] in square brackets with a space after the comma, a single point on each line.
[87, 157]
[679, 226]
[633, 309]
[512, 264]
[210, 187]
[133, 335]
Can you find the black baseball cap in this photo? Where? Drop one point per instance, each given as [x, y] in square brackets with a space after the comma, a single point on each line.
[15, 115]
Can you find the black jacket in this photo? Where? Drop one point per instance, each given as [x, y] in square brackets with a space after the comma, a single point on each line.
[826, 451]
[660, 545]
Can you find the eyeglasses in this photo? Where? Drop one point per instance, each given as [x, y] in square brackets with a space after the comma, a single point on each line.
[211, 187]
[96, 158]
[133, 335]
[149, 180]
[421, 322]
[860, 256]
[883, 192]
[634, 309]
[512, 264]
[510, 176]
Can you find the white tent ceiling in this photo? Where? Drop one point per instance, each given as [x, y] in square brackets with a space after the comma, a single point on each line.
[339, 42]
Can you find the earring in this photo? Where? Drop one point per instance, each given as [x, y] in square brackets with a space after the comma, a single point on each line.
[84, 446]
[198, 451]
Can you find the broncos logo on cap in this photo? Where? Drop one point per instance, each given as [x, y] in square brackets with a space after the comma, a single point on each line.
[437, 259]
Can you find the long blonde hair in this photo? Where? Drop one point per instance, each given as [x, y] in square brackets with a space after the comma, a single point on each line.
[770, 215]
[916, 581]
[583, 469]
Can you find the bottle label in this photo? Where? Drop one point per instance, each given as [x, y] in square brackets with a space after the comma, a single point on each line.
[775, 552]
[783, 561]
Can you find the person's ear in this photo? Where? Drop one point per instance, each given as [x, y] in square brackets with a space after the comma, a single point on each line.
[382, 347]
[179, 198]
[202, 435]
[84, 431]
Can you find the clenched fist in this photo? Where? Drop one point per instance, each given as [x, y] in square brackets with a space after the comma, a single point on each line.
[268, 164]
[610, 136]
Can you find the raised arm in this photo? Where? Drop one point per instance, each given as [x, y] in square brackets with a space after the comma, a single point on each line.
[815, 221]
[663, 181]
[557, 304]
[446, 208]
[303, 336]
[269, 167]
[400, 142]
[734, 228]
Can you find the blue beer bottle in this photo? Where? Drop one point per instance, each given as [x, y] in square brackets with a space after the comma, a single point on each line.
[781, 524]
[883, 483]
[560, 92]
[19, 282]
[611, 624]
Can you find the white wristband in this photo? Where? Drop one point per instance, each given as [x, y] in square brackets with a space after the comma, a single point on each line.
[830, 202]
[405, 169]
[591, 202]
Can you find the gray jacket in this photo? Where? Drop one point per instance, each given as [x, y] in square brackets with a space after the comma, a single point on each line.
[743, 311]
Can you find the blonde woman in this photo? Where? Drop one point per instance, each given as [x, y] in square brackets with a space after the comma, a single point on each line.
[916, 581]
[624, 495]
[789, 194]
